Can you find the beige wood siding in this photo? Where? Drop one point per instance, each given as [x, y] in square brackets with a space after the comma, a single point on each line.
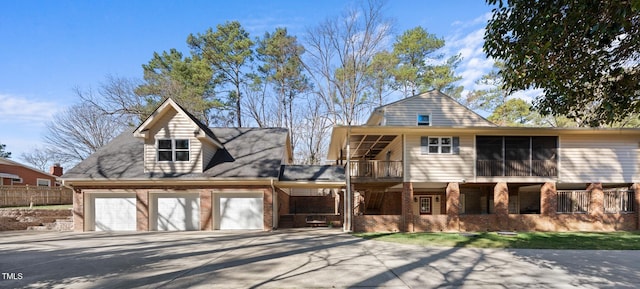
[208, 151]
[444, 111]
[589, 158]
[396, 150]
[440, 167]
[173, 125]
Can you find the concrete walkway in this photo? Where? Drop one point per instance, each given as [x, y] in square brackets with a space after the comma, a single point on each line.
[306, 258]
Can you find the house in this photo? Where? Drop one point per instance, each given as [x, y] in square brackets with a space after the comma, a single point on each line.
[427, 163]
[14, 173]
[174, 173]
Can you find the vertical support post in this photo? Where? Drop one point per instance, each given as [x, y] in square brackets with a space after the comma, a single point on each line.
[453, 206]
[78, 210]
[596, 205]
[348, 198]
[407, 207]
[142, 210]
[548, 200]
[636, 204]
[206, 212]
[501, 205]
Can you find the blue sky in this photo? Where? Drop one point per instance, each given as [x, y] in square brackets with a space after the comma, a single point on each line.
[48, 48]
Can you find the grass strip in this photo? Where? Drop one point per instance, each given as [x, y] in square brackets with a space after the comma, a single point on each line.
[522, 240]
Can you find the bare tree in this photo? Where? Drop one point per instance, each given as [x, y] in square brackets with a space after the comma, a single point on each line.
[314, 132]
[79, 131]
[39, 157]
[339, 51]
[116, 96]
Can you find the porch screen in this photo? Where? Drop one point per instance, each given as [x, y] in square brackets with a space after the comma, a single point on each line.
[489, 155]
[516, 156]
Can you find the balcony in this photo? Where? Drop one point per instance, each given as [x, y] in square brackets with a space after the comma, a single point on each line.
[375, 170]
[522, 168]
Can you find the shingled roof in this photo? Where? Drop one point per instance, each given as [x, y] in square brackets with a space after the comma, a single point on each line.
[247, 153]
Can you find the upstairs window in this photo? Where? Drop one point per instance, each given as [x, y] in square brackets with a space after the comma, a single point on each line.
[170, 150]
[437, 145]
[424, 120]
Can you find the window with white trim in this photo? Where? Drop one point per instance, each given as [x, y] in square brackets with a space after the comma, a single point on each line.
[618, 201]
[425, 205]
[43, 182]
[170, 150]
[436, 145]
[424, 120]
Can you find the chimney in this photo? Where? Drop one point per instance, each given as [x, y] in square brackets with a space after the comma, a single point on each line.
[56, 170]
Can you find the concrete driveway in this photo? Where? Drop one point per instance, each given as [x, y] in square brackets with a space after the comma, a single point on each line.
[305, 258]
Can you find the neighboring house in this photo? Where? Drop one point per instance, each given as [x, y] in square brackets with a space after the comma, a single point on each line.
[16, 174]
[427, 163]
[174, 173]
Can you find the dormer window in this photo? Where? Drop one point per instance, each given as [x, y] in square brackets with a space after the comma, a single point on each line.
[170, 150]
[424, 120]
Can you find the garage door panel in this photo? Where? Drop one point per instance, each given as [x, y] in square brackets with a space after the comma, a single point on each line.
[241, 211]
[178, 213]
[115, 213]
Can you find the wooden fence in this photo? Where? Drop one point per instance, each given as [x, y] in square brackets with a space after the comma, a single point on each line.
[17, 196]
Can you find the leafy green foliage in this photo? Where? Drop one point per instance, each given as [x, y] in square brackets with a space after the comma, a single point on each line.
[227, 50]
[583, 54]
[412, 49]
[379, 75]
[514, 112]
[282, 67]
[186, 80]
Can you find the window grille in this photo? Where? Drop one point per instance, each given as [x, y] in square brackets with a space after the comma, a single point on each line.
[618, 201]
[573, 201]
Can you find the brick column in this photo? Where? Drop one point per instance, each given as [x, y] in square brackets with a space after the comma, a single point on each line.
[78, 210]
[142, 210]
[407, 207]
[548, 200]
[501, 205]
[206, 213]
[636, 204]
[596, 205]
[453, 207]
[268, 210]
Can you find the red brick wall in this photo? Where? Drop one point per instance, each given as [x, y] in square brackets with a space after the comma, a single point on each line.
[391, 203]
[312, 204]
[142, 210]
[548, 220]
[377, 223]
[268, 210]
[29, 177]
[78, 210]
[283, 202]
[206, 212]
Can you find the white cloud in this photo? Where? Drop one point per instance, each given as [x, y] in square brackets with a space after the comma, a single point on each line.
[468, 43]
[528, 95]
[18, 109]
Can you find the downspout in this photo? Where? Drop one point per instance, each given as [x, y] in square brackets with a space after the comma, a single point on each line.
[348, 211]
[274, 203]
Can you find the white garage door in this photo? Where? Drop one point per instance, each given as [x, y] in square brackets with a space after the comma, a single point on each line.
[178, 212]
[115, 213]
[240, 211]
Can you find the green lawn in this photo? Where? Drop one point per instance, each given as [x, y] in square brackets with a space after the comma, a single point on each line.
[50, 207]
[530, 240]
